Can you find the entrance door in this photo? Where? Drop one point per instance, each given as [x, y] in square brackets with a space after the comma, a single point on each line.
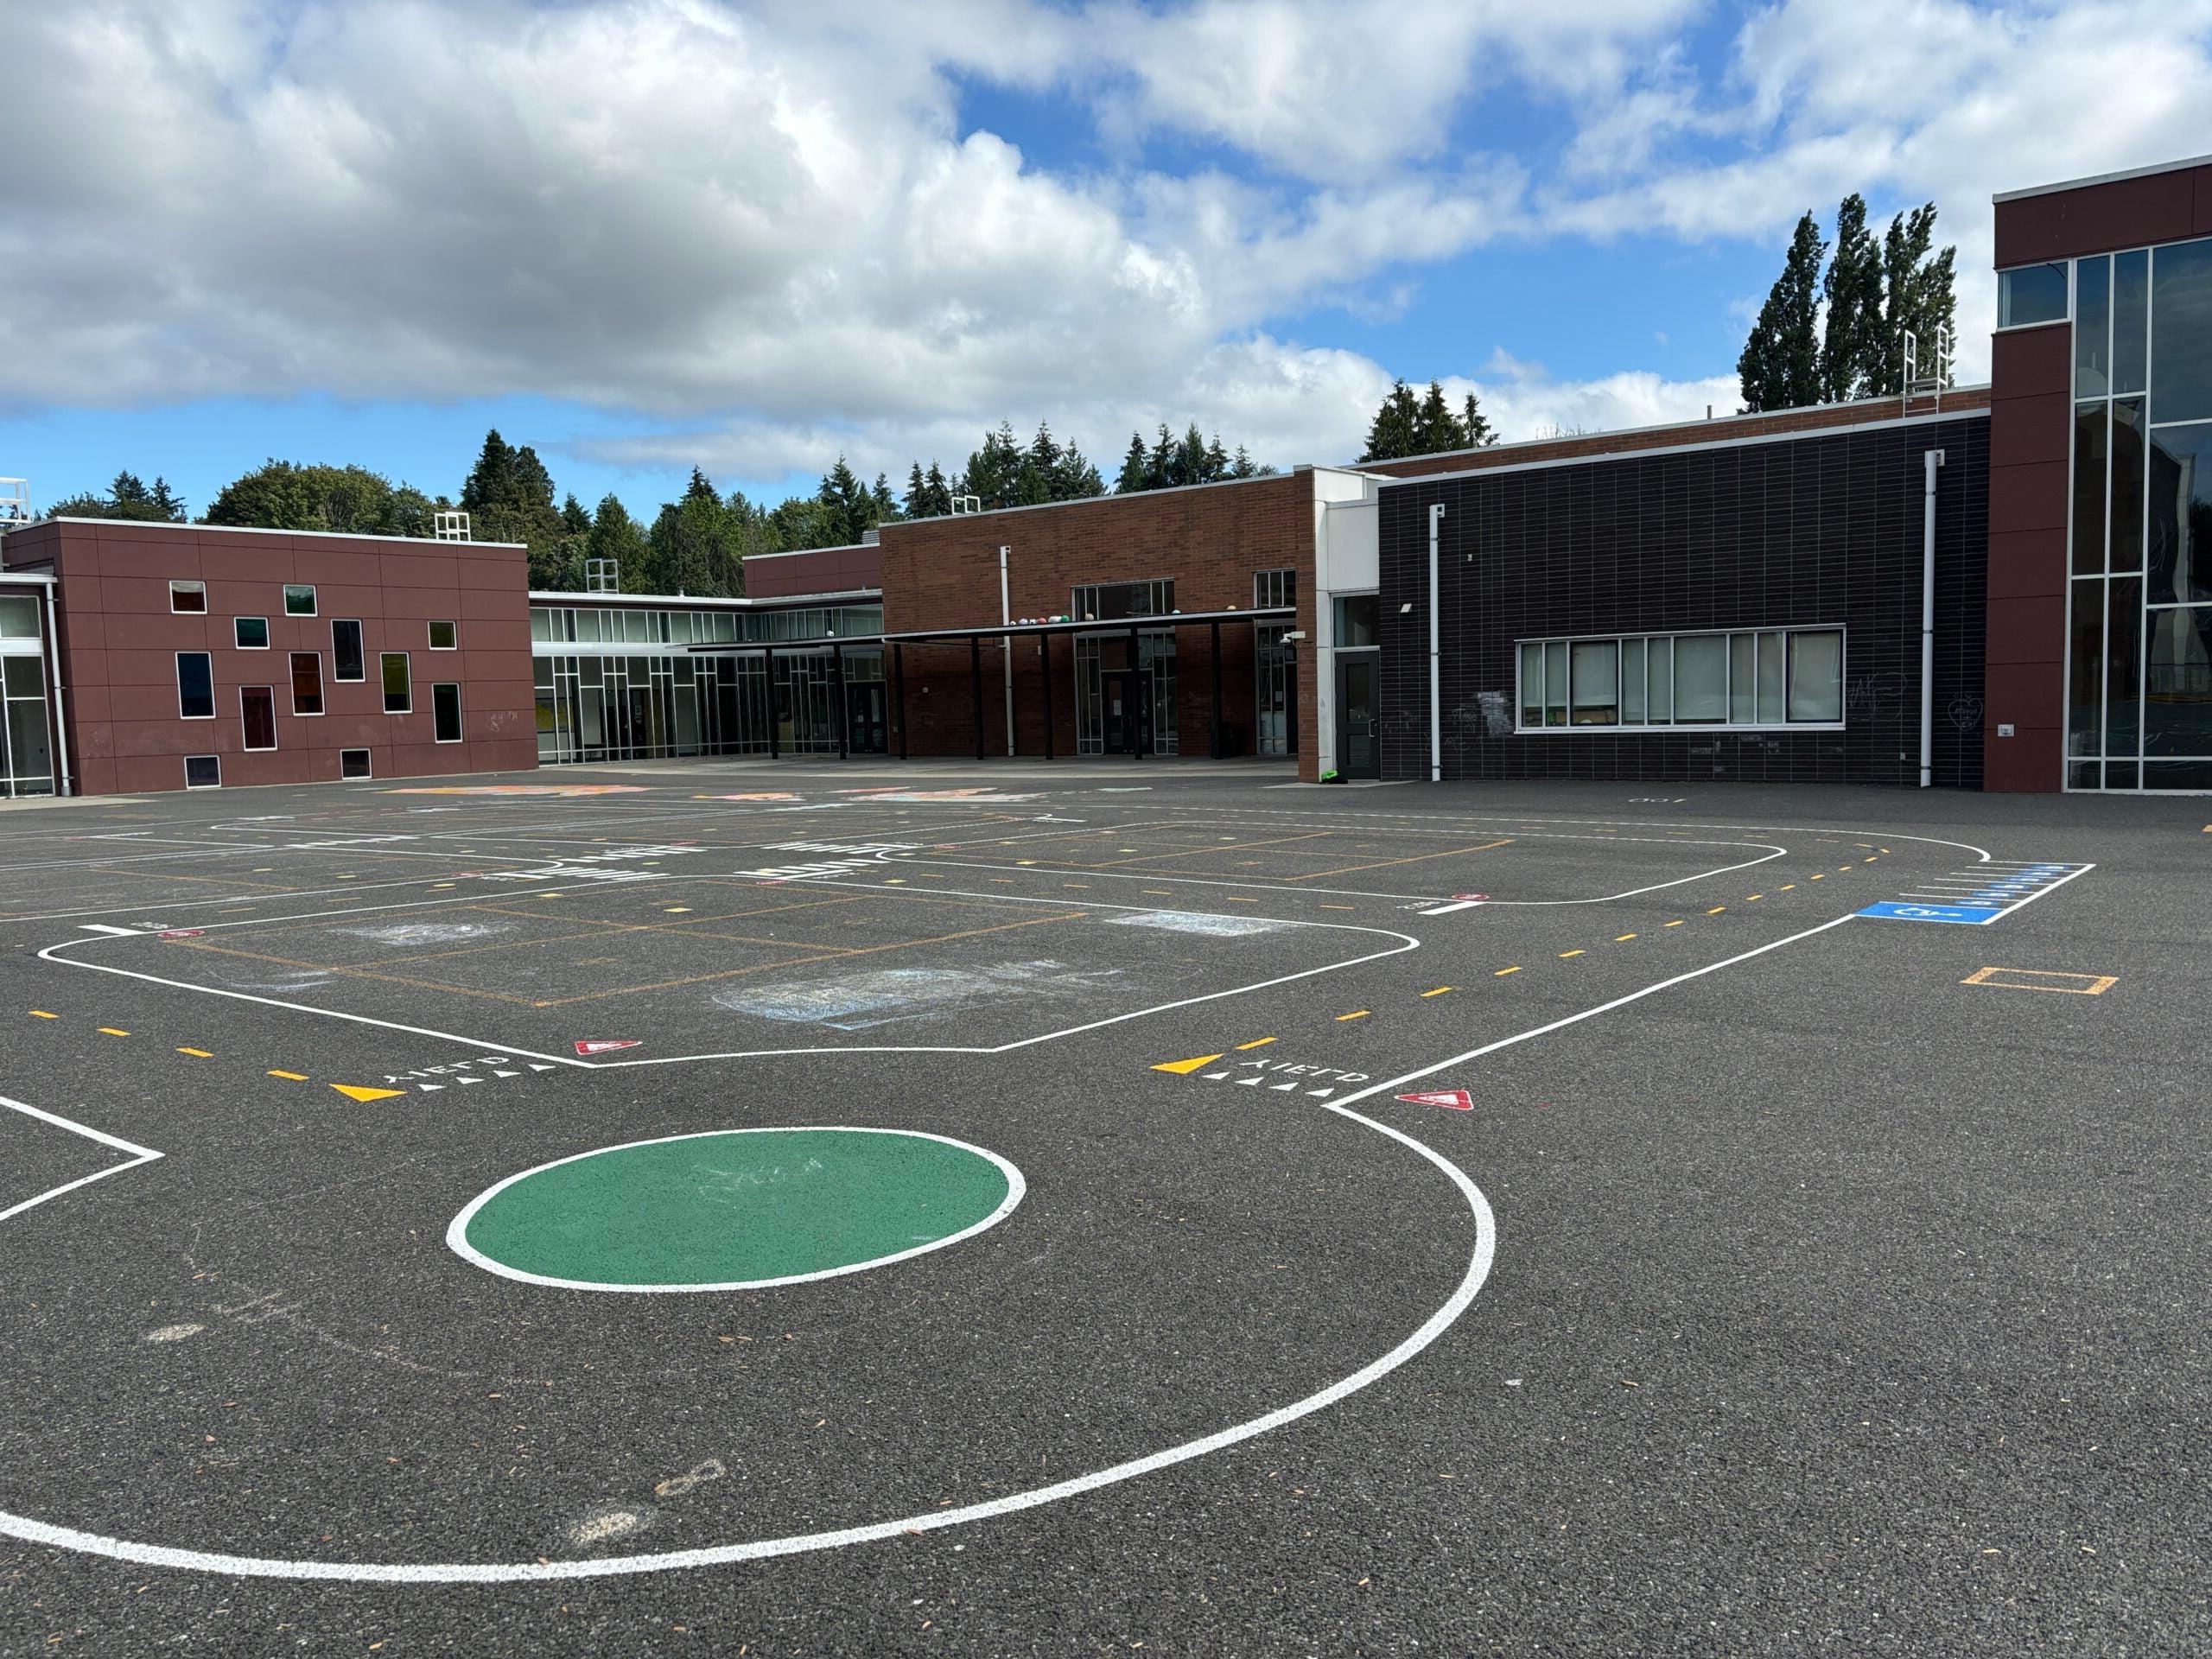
[1125, 699]
[1358, 755]
[867, 719]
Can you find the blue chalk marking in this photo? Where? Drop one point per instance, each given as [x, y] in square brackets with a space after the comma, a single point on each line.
[1965, 915]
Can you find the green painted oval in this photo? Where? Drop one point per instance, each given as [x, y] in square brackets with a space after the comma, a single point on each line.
[735, 1209]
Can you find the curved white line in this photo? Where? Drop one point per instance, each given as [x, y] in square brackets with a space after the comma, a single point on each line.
[1478, 1266]
[457, 1233]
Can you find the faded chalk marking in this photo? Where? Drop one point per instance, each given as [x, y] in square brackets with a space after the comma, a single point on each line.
[174, 1332]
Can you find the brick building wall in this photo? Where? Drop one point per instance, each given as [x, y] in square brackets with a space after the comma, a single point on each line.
[120, 640]
[943, 572]
[1814, 532]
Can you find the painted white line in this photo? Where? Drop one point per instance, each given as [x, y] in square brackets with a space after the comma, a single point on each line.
[1400, 1081]
[1478, 1266]
[2082, 870]
[1446, 910]
[457, 1233]
[103, 927]
[139, 1154]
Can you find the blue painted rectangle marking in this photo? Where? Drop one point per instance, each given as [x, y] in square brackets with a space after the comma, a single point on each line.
[1964, 915]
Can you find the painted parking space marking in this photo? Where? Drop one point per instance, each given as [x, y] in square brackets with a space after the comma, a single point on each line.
[2042, 979]
[1976, 898]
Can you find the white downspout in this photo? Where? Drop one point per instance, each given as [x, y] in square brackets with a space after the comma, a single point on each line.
[60, 719]
[1006, 645]
[1930, 462]
[1435, 658]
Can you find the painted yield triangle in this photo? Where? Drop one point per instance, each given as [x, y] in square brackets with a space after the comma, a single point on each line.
[1184, 1068]
[1457, 1100]
[354, 1091]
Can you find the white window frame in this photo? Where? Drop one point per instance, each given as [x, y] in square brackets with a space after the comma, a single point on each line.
[2072, 289]
[217, 761]
[199, 588]
[322, 686]
[269, 747]
[383, 695]
[1843, 681]
[370, 757]
[291, 588]
[459, 718]
[210, 656]
[267, 637]
[433, 635]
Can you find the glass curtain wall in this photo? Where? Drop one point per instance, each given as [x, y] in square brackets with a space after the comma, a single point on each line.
[26, 742]
[2139, 602]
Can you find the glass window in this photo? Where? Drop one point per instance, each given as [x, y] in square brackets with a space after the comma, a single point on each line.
[195, 685]
[2131, 314]
[2030, 294]
[1273, 589]
[299, 599]
[2125, 549]
[19, 677]
[541, 623]
[1532, 685]
[203, 772]
[1631, 682]
[2181, 514]
[2085, 690]
[1556, 685]
[353, 762]
[2124, 666]
[346, 652]
[2092, 327]
[2177, 683]
[445, 713]
[307, 682]
[258, 707]
[588, 627]
[251, 632]
[189, 597]
[1739, 679]
[1816, 675]
[2180, 333]
[1357, 617]
[2088, 489]
[18, 617]
[1769, 698]
[1701, 678]
[444, 636]
[1662, 681]
[1596, 666]
[398, 686]
[638, 627]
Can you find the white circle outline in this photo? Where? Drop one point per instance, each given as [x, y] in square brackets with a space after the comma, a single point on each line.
[457, 1232]
[258, 1567]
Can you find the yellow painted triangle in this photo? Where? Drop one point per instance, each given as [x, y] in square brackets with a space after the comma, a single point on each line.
[1184, 1068]
[353, 1092]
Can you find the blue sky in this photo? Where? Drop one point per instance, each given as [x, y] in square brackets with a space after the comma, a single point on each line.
[645, 233]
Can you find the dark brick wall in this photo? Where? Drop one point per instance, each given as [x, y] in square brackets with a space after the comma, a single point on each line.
[1793, 533]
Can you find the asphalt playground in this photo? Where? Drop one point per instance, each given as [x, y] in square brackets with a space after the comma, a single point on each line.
[739, 1208]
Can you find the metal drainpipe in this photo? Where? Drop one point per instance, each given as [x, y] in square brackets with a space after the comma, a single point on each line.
[1930, 462]
[1006, 645]
[1435, 660]
[60, 720]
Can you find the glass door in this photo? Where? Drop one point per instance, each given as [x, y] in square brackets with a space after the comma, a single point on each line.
[1359, 755]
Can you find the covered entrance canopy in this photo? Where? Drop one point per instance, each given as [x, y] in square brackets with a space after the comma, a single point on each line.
[863, 727]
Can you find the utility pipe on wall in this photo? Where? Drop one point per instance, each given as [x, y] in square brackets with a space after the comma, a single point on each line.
[1006, 645]
[1436, 659]
[1930, 462]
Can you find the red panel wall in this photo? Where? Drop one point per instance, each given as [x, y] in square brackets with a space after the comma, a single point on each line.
[816, 570]
[120, 640]
[2030, 413]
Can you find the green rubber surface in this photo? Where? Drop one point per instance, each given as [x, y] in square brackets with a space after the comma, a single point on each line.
[736, 1207]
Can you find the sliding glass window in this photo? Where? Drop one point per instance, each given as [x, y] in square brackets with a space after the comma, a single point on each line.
[1771, 678]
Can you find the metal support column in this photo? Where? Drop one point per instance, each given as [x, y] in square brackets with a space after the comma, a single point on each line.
[1044, 668]
[1217, 690]
[899, 691]
[837, 681]
[775, 743]
[1140, 683]
[976, 686]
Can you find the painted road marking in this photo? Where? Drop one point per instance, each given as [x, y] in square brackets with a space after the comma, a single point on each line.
[2023, 979]
[1965, 915]
[290, 1077]
[197, 1053]
[138, 1155]
[1357, 1013]
[113, 1031]
[1440, 990]
[1258, 1042]
[1183, 1068]
[1455, 1100]
[354, 1091]
[102, 927]
[40, 1013]
[1502, 972]
[1564, 954]
[1446, 910]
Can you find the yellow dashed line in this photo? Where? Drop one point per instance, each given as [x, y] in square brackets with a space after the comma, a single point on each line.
[440, 887]
[1357, 1013]
[1502, 972]
[1242, 901]
[1816, 878]
[1337, 907]
[1754, 898]
[1258, 1042]
[1440, 990]
[1865, 861]
[1673, 923]
[1622, 938]
[113, 1031]
[1157, 893]
[294, 1076]
[1716, 910]
[1787, 886]
[197, 1053]
[1564, 954]
[40, 1013]
[549, 895]
[676, 910]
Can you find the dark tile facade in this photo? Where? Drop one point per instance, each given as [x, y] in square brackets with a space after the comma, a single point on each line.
[1791, 533]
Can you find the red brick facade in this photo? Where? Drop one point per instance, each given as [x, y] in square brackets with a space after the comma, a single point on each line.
[120, 640]
[943, 572]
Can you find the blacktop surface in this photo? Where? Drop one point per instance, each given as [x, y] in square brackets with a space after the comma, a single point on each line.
[1788, 1278]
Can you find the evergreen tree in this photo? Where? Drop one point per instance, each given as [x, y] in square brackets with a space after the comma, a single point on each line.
[1854, 342]
[993, 472]
[616, 535]
[846, 508]
[574, 519]
[1917, 295]
[917, 493]
[940, 491]
[1476, 429]
[1780, 367]
[127, 498]
[883, 507]
[1435, 428]
[1393, 433]
[1160, 460]
[1137, 469]
[1074, 479]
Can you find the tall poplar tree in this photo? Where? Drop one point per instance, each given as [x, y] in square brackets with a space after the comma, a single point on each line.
[1853, 340]
[1780, 367]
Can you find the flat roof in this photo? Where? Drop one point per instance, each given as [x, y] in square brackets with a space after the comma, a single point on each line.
[2103, 178]
[703, 602]
[261, 529]
[1019, 629]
